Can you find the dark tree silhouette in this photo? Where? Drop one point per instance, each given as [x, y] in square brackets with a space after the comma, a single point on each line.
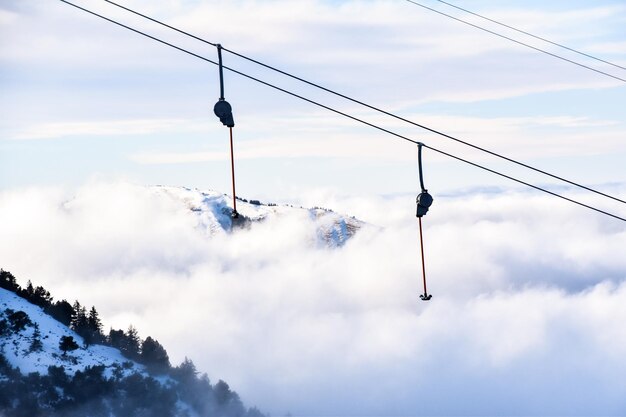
[154, 356]
[35, 343]
[40, 297]
[116, 338]
[79, 317]
[127, 342]
[18, 321]
[132, 343]
[67, 344]
[8, 281]
[94, 327]
[185, 372]
[62, 311]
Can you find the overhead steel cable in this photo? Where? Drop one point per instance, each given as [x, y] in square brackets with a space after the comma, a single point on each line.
[531, 35]
[352, 117]
[518, 42]
[385, 112]
[139, 32]
[161, 23]
[432, 130]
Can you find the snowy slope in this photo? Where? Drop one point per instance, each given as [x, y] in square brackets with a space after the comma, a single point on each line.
[16, 346]
[213, 210]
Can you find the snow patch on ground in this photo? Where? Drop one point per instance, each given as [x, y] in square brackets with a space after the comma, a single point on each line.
[16, 346]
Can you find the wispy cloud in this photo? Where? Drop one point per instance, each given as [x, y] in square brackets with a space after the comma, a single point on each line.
[102, 128]
[333, 137]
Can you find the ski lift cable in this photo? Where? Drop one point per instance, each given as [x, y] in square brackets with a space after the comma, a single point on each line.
[377, 109]
[560, 45]
[382, 129]
[518, 42]
[140, 32]
[161, 23]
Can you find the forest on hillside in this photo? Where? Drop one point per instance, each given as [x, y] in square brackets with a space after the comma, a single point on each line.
[162, 390]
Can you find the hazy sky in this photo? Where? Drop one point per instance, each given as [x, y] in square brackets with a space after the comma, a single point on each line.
[82, 98]
[530, 298]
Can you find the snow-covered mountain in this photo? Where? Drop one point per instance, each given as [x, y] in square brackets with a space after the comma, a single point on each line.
[46, 369]
[214, 210]
[16, 346]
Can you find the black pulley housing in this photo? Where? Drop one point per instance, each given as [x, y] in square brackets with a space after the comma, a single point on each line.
[424, 201]
[224, 111]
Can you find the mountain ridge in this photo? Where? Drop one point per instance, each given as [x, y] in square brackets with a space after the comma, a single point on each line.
[49, 369]
[214, 209]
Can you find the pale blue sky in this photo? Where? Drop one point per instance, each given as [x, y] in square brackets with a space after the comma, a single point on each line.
[83, 98]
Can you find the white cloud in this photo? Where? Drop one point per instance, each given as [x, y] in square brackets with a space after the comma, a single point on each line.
[330, 137]
[528, 306]
[104, 128]
[381, 44]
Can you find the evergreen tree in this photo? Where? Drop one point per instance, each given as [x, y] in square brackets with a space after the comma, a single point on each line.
[94, 324]
[185, 372]
[116, 338]
[132, 343]
[35, 343]
[41, 297]
[61, 311]
[154, 356]
[80, 322]
[18, 320]
[8, 281]
[76, 310]
[29, 291]
[67, 343]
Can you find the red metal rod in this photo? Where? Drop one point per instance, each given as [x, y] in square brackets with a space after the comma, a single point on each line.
[422, 247]
[232, 170]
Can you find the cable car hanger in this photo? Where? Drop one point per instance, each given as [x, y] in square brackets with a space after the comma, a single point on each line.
[224, 111]
[424, 201]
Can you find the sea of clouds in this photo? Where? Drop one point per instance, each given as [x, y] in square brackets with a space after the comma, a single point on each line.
[527, 315]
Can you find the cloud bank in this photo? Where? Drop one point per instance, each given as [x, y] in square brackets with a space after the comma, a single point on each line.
[526, 319]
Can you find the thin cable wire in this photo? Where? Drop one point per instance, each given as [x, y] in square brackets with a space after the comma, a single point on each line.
[531, 35]
[421, 126]
[139, 32]
[382, 129]
[160, 23]
[518, 42]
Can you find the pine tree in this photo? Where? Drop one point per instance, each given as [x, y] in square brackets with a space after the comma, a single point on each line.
[41, 297]
[94, 326]
[76, 309]
[29, 288]
[186, 372]
[8, 281]
[35, 343]
[62, 311]
[116, 338]
[132, 343]
[80, 322]
[154, 356]
[67, 343]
